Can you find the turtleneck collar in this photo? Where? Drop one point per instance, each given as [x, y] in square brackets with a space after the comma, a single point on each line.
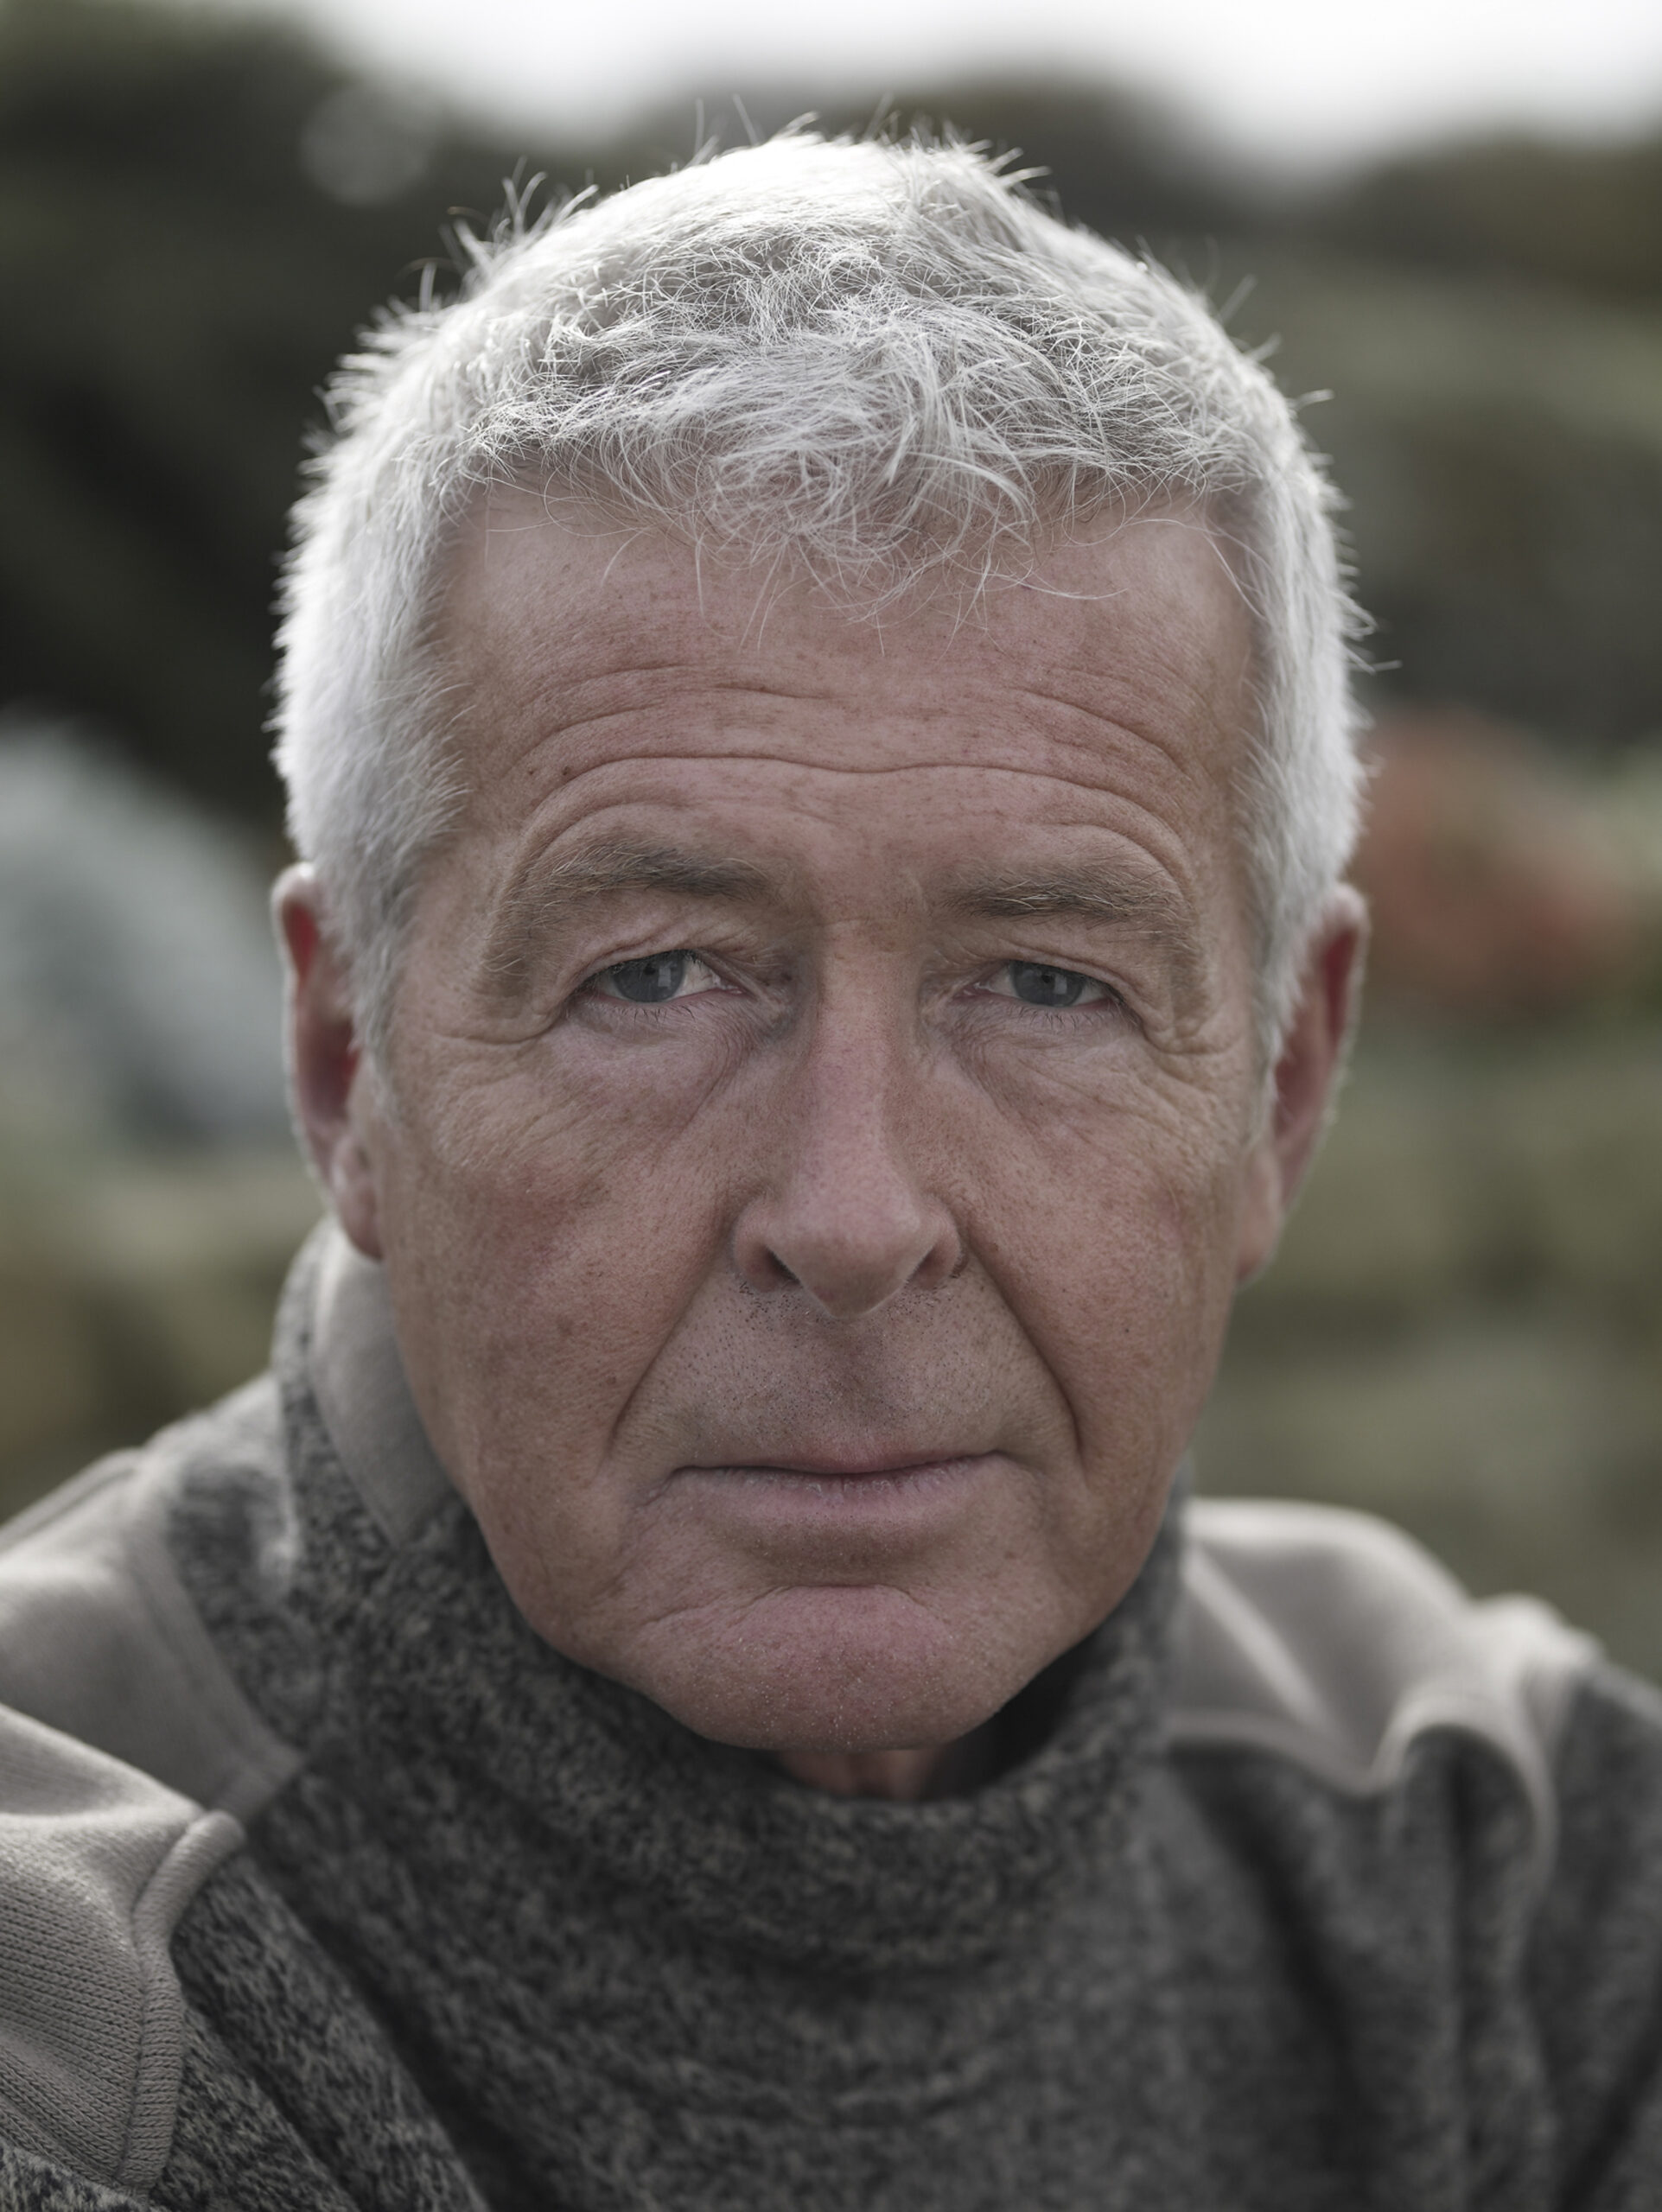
[418, 1653]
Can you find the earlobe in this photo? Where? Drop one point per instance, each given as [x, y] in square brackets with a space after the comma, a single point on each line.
[1264, 1208]
[1311, 1057]
[325, 1058]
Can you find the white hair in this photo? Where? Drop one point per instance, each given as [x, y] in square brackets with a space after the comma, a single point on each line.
[880, 365]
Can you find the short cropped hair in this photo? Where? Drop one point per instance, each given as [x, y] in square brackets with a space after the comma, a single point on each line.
[879, 365]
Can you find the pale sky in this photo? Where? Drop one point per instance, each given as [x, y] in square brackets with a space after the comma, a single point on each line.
[1299, 81]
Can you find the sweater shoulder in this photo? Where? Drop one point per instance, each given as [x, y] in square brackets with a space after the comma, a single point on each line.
[129, 1758]
[99, 1639]
[97, 1863]
[1329, 1639]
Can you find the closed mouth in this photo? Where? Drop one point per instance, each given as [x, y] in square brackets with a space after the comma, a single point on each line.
[875, 1468]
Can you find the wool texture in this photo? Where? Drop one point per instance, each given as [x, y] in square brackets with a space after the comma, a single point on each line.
[513, 1939]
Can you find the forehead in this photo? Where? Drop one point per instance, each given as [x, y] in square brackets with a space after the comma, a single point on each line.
[1118, 673]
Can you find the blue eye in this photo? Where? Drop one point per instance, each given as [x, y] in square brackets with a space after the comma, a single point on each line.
[650, 981]
[1036, 985]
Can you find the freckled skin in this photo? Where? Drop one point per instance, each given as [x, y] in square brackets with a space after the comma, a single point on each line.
[672, 1280]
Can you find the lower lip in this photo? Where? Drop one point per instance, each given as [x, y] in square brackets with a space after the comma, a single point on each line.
[894, 1500]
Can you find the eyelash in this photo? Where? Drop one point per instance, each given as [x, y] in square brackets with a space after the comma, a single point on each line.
[643, 961]
[1109, 996]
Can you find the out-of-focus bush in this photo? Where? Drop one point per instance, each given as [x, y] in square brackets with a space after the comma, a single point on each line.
[1588, 218]
[1463, 1328]
[133, 1288]
[1501, 885]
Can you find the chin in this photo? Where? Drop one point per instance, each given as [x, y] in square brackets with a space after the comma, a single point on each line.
[842, 1669]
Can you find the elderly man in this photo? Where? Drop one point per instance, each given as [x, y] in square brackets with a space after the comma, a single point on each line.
[814, 702]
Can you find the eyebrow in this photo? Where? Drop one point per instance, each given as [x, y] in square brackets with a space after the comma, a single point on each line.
[547, 896]
[1090, 895]
[540, 900]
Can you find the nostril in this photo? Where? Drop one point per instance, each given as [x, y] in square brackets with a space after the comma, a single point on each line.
[848, 1259]
[845, 1221]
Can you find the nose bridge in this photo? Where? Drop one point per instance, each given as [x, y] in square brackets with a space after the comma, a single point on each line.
[849, 1214]
[849, 1092]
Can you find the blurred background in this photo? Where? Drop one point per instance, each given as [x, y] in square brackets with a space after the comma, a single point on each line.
[1449, 218]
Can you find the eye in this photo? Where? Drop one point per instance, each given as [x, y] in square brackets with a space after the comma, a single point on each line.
[1035, 983]
[655, 979]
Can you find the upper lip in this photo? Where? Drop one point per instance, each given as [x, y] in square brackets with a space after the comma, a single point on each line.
[857, 1463]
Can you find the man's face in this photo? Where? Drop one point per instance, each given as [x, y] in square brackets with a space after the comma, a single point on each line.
[820, 1136]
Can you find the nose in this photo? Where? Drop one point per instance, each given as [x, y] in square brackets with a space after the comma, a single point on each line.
[846, 1217]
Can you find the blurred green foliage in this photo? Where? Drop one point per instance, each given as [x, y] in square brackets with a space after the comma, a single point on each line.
[1587, 220]
[180, 273]
[1463, 1328]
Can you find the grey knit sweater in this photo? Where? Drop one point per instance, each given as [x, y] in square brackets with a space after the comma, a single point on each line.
[325, 1885]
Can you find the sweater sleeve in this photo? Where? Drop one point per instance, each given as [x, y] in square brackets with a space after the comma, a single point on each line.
[28, 2183]
[239, 2140]
[1596, 1964]
[232, 2146]
[285, 2096]
[292, 2097]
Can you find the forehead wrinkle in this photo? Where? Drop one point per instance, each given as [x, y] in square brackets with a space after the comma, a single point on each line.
[1187, 734]
[574, 717]
[1077, 682]
[548, 893]
[1077, 703]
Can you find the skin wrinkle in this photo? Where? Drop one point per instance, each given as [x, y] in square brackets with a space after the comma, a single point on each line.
[566, 719]
[561, 718]
[620, 1416]
[854, 1206]
[536, 901]
[540, 900]
[1153, 891]
[1090, 896]
[574, 726]
[568, 723]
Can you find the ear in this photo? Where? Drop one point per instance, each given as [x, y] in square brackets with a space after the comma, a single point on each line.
[1312, 1053]
[326, 1072]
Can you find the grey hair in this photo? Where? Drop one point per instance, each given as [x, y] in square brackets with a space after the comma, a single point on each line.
[879, 365]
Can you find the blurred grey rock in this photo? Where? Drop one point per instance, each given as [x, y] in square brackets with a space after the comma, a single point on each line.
[140, 995]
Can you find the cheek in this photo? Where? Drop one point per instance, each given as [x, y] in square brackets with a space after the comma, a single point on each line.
[568, 1143]
[1119, 1251]
[543, 1236]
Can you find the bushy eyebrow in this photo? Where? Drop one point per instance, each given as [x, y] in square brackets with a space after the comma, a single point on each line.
[546, 897]
[540, 901]
[1096, 896]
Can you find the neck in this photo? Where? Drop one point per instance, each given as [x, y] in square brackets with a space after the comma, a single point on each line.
[907, 1777]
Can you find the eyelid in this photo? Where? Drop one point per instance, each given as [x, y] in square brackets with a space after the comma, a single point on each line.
[597, 976]
[1109, 994]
